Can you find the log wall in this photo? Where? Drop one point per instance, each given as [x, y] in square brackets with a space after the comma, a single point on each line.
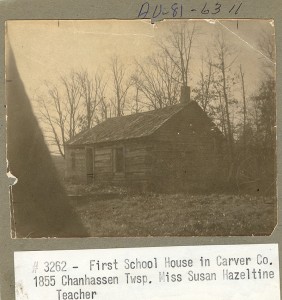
[78, 173]
[137, 155]
[186, 152]
[183, 150]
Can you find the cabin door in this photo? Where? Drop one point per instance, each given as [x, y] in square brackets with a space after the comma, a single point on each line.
[89, 164]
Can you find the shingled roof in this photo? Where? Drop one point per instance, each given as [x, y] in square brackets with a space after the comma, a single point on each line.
[127, 127]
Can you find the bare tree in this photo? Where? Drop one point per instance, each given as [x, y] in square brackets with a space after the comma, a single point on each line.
[72, 93]
[88, 95]
[100, 85]
[242, 75]
[60, 110]
[264, 99]
[266, 45]
[54, 115]
[223, 60]
[105, 111]
[157, 80]
[136, 102]
[92, 92]
[121, 85]
[222, 113]
[177, 46]
[204, 92]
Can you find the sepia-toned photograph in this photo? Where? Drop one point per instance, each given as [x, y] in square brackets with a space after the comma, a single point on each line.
[121, 128]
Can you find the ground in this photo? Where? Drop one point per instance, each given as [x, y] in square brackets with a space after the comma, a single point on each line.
[116, 213]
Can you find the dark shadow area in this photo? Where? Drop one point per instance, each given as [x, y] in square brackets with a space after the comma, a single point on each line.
[39, 203]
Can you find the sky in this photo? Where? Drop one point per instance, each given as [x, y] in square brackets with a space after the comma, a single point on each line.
[45, 50]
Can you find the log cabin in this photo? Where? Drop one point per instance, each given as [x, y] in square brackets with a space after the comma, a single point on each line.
[167, 149]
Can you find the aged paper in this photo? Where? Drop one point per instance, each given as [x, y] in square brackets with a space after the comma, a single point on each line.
[33, 220]
[134, 129]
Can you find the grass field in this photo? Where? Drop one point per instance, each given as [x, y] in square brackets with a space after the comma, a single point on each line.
[121, 214]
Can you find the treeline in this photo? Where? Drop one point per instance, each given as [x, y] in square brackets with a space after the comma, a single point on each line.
[79, 100]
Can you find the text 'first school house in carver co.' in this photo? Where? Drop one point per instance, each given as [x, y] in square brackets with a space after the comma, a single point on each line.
[164, 149]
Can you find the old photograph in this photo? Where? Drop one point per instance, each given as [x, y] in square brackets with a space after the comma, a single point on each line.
[123, 128]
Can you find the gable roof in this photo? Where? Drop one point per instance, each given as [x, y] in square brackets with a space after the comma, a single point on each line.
[128, 127]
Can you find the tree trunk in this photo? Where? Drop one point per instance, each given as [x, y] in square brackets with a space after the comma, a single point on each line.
[244, 109]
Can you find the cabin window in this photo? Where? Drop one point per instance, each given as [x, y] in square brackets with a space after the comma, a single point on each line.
[119, 160]
[89, 164]
[73, 161]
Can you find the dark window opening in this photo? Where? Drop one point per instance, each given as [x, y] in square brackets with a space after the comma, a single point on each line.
[119, 160]
[73, 161]
[89, 163]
